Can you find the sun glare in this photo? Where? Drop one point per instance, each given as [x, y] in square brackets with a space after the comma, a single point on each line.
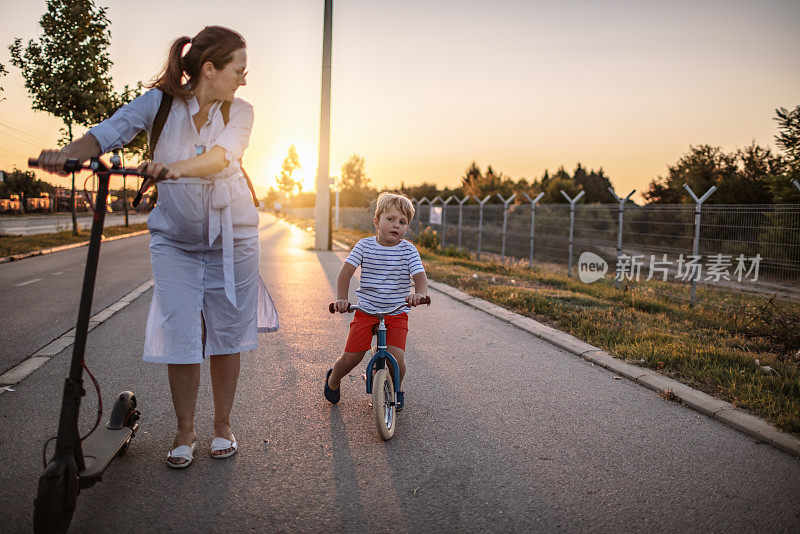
[272, 162]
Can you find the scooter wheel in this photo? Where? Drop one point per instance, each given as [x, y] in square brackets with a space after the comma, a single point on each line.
[56, 499]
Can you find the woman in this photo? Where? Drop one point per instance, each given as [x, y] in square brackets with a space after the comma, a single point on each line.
[208, 298]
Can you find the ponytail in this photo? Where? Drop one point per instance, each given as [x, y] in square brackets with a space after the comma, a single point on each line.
[214, 43]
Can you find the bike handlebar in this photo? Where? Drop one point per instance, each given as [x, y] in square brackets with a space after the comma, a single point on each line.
[350, 307]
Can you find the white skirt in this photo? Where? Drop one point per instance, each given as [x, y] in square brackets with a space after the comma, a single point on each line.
[189, 289]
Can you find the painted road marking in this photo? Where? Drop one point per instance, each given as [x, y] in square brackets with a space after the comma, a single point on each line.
[28, 282]
[23, 369]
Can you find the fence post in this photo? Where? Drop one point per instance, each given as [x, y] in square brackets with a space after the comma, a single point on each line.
[480, 221]
[418, 216]
[696, 244]
[436, 199]
[460, 212]
[533, 215]
[572, 202]
[505, 219]
[619, 230]
[444, 218]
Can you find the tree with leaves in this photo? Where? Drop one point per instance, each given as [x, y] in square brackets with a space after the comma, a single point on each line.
[354, 177]
[741, 177]
[3, 72]
[285, 180]
[137, 148]
[66, 71]
[356, 189]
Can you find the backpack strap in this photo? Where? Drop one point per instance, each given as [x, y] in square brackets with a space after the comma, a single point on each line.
[158, 124]
[225, 108]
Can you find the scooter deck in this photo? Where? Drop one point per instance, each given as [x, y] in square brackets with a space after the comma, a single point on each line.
[101, 447]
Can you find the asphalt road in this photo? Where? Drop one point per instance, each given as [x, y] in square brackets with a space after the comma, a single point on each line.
[502, 432]
[46, 224]
[41, 294]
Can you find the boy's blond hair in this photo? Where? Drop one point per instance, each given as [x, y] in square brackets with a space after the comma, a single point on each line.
[398, 200]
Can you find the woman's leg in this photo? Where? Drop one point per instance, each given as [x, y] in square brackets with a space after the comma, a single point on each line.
[343, 366]
[184, 381]
[224, 379]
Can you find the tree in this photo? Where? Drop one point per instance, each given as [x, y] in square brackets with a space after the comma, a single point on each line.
[66, 70]
[788, 137]
[354, 177]
[24, 184]
[138, 146]
[3, 72]
[741, 177]
[285, 180]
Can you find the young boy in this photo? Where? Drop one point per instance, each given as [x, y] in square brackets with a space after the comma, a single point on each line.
[388, 264]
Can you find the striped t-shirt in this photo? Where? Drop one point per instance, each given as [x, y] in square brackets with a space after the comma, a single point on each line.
[385, 273]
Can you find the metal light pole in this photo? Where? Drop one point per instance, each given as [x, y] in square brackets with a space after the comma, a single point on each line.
[322, 209]
[796, 184]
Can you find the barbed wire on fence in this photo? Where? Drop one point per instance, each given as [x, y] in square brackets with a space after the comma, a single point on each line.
[541, 232]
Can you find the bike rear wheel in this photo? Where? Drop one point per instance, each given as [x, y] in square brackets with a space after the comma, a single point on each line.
[383, 403]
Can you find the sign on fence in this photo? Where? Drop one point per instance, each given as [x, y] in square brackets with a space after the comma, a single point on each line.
[436, 215]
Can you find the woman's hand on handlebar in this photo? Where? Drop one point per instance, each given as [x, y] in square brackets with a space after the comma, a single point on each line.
[342, 305]
[415, 299]
[159, 170]
[53, 161]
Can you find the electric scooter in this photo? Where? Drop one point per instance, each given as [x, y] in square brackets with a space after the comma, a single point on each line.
[79, 462]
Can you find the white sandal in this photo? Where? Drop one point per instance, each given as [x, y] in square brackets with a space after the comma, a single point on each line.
[181, 452]
[222, 444]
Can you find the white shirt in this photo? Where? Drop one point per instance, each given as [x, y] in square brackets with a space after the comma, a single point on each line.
[193, 213]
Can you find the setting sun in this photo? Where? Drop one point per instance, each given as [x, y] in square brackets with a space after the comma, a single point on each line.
[269, 164]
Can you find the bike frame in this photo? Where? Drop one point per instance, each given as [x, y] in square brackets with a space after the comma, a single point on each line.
[380, 357]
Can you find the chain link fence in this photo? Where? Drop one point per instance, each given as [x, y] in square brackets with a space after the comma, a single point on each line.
[761, 242]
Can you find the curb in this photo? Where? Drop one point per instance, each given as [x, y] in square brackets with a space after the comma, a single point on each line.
[722, 411]
[23, 255]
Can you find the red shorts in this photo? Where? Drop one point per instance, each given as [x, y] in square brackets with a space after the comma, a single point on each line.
[360, 338]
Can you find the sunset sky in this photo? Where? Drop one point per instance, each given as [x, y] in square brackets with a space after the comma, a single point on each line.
[422, 88]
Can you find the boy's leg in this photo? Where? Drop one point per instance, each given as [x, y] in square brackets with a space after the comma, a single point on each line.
[346, 363]
[398, 354]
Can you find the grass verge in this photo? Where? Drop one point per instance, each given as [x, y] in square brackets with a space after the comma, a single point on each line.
[21, 244]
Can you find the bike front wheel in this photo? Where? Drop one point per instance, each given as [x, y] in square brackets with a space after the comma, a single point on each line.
[383, 403]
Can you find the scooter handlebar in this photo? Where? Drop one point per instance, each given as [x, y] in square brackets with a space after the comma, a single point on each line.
[72, 164]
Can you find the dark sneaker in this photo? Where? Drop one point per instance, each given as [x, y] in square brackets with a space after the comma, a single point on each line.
[401, 400]
[332, 395]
